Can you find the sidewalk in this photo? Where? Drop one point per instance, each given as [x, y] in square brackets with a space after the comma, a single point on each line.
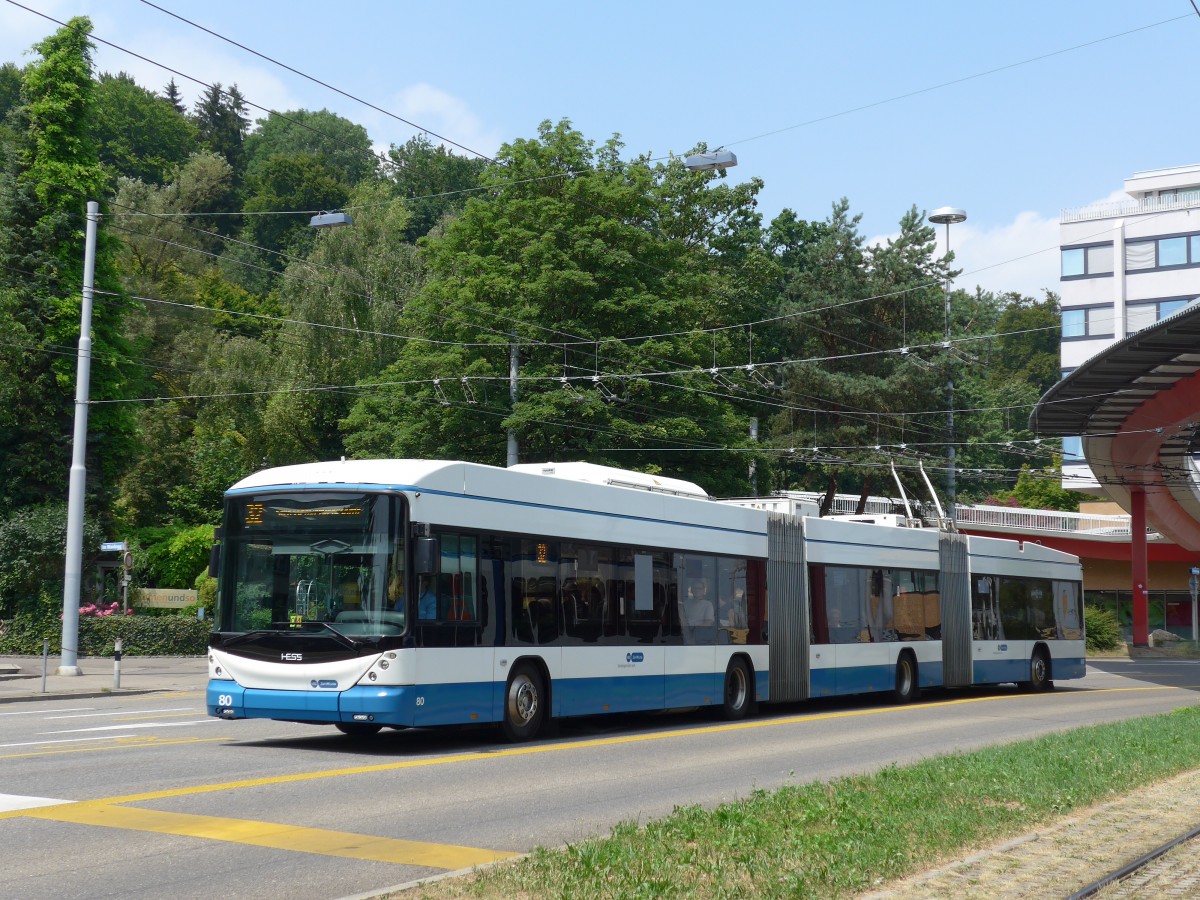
[21, 676]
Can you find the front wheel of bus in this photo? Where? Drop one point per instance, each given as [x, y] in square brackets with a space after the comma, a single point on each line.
[737, 698]
[524, 704]
[907, 686]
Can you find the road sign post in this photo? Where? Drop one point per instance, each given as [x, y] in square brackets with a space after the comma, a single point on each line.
[1194, 587]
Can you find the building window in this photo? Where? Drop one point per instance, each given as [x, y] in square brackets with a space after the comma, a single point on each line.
[1089, 261]
[1087, 322]
[1143, 315]
[1163, 253]
[1072, 451]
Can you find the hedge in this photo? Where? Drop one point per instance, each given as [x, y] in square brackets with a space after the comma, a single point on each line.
[140, 636]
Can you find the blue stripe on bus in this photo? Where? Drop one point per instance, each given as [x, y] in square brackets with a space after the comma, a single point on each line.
[1068, 667]
[997, 671]
[375, 488]
[450, 704]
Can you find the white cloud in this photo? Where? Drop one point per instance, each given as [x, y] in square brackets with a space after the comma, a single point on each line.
[430, 107]
[194, 55]
[1021, 255]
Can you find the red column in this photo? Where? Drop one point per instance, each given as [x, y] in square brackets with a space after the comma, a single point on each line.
[1140, 566]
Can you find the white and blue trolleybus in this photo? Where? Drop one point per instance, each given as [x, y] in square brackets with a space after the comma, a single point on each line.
[408, 593]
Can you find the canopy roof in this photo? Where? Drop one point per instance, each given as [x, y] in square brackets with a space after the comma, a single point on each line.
[1136, 405]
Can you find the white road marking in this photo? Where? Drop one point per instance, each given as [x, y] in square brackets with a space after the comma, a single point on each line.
[14, 802]
[127, 727]
[124, 712]
[34, 712]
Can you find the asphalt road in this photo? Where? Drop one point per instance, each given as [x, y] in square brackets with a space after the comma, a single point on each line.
[167, 802]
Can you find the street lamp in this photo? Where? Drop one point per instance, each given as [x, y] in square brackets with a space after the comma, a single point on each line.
[949, 215]
[716, 159]
[330, 220]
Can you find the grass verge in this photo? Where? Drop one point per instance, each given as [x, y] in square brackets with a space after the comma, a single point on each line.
[838, 838]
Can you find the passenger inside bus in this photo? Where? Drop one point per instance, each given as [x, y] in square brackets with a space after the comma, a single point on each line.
[696, 614]
[351, 598]
[427, 601]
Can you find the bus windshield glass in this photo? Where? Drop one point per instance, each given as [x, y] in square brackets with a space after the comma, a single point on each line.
[296, 560]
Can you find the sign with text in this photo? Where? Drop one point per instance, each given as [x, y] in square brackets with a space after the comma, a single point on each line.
[166, 598]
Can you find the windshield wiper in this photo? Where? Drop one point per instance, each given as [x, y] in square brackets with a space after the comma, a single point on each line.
[245, 638]
[340, 637]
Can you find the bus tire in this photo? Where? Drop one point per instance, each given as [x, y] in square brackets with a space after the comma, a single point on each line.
[1040, 673]
[737, 697]
[908, 685]
[358, 729]
[524, 703]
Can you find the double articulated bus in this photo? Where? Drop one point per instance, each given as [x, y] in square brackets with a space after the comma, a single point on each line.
[412, 593]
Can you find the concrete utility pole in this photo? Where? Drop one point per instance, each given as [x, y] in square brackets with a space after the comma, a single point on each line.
[73, 574]
[514, 362]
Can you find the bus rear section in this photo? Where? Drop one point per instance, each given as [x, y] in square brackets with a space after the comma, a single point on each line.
[863, 608]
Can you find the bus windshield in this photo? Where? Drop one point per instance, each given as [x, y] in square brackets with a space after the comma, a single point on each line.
[290, 559]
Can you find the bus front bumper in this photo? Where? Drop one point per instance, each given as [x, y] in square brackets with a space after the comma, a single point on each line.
[382, 705]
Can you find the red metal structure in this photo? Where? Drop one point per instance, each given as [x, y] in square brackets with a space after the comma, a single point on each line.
[1136, 405]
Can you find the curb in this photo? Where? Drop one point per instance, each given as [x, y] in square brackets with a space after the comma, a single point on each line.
[83, 695]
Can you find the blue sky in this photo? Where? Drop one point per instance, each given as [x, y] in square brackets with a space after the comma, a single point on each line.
[1012, 147]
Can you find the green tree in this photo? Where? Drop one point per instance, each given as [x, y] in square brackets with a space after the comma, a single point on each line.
[583, 255]
[220, 118]
[342, 146]
[1030, 333]
[138, 133]
[43, 190]
[172, 95]
[847, 309]
[364, 277]
[433, 180]
[298, 183]
[10, 88]
[1041, 488]
[31, 555]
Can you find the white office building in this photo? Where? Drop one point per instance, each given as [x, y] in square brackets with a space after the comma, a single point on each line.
[1125, 266]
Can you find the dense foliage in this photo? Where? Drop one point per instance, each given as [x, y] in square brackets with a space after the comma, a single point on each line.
[654, 315]
[140, 636]
[1102, 629]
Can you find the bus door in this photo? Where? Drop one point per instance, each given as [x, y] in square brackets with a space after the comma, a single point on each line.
[599, 674]
[856, 612]
[638, 661]
[454, 630]
[691, 653]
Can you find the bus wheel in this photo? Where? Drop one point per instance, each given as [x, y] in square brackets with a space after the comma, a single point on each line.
[524, 704]
[358, 729]
[907, 686]
[737, 699]
[1039, 673]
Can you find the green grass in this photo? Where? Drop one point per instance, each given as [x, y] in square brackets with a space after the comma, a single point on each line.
[849, 835]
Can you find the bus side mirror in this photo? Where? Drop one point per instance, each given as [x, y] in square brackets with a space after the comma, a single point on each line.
[214, 559]
[427, 556]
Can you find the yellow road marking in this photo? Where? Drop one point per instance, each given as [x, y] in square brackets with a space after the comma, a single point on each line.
[272, 835]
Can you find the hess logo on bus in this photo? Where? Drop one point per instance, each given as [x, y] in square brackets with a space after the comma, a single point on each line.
[291, 657]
